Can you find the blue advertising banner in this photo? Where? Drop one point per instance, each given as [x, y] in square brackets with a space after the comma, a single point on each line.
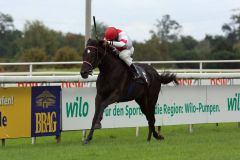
[46, 111]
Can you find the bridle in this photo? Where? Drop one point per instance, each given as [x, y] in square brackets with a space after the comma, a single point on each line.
[99, 61]
[90, 64]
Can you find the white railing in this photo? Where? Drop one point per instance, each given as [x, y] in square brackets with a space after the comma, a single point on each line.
[31, 66]
[57, 79]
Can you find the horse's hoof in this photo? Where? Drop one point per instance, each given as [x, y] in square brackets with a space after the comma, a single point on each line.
[85, 141]
[160, 137]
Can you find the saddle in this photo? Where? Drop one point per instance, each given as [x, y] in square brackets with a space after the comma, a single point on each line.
[143, 76]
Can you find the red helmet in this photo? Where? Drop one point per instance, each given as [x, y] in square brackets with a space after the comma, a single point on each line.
[111, 33]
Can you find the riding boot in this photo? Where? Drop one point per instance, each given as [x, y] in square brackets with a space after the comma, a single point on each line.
[135, 72]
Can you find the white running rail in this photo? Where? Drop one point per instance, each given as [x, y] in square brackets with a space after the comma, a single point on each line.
[200, 69]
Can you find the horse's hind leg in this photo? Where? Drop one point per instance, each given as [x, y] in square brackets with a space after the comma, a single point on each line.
[152, 103]
[142, 101]
[152, 100]
[159, 132]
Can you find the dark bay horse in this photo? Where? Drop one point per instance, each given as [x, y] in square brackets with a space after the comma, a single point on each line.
[115, 84]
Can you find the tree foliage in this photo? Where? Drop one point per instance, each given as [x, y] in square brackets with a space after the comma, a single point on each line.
[8, 36]
[167, 29]
[36, 34]
[33, 55]
[37, 42]
[6, 23]
[66, 54]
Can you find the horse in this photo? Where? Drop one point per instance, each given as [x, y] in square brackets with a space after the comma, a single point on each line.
[115, 84]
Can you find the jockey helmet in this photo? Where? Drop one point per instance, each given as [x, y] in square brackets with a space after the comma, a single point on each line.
[111, 33]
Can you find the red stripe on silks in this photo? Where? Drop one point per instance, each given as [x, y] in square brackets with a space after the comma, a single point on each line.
[120, 49]
[123, 40]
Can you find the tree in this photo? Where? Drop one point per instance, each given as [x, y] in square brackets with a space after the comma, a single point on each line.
[66, 54]
[151, 50]
[167, 29]
[75, 41]
[33, 55]
[183, 49]
[232, 29]
[36, 34]
[8, 36]
[236, 48]
[188, 42]
[6, 23]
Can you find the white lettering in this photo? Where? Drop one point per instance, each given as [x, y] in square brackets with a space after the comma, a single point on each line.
[6, 101]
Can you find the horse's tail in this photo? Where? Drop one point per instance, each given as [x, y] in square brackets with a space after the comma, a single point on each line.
[167, 77]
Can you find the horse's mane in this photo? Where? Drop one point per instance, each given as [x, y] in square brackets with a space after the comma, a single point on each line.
[92, 42]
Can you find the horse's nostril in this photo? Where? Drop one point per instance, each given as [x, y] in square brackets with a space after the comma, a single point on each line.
[84, 74]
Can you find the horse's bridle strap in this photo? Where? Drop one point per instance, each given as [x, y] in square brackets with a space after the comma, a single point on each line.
[92, 47]
[88, 63]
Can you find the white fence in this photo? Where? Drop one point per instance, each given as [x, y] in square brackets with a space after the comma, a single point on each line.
[201, 69]
[57, 79]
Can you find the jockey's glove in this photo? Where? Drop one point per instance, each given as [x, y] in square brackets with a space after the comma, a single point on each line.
[115, 50]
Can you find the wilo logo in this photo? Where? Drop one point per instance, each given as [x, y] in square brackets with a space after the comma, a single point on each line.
[233, 103]
[45, 99]
[77, 108]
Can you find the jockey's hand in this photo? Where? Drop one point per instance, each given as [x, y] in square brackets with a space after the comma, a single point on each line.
[115, 50]
[110, 43]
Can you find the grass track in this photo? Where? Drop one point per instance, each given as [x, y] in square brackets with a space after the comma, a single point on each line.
[207, 142]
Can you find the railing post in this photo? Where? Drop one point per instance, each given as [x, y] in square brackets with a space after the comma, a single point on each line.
[30, 74]
[30, 69]
[3, 142]
[200, 66]
[83, 135]
[137, 131]
[58, 138]
[190, 128]
[34, 140]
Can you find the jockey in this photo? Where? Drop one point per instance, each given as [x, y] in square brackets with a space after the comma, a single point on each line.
[123, 47]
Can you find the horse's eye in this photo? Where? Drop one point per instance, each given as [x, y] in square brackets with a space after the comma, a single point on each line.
[88, 51]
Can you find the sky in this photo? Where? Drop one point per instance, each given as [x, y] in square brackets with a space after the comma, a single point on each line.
[136, 17]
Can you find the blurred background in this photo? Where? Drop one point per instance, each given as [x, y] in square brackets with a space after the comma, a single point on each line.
[163, 30]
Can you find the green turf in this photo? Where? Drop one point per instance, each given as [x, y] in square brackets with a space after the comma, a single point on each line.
[207, 142]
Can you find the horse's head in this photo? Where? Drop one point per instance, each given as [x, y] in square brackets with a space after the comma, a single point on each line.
[92, 56]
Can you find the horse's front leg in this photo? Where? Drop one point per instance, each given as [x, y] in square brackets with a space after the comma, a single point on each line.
[96, 118]
[101, 104]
